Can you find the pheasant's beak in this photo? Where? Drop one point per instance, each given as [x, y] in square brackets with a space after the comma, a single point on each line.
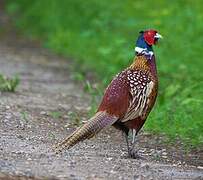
[158, 36]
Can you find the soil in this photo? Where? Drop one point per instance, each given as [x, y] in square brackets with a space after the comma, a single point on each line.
[46, 108]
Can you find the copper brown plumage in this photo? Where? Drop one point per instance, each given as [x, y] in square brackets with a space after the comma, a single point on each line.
[128, 99]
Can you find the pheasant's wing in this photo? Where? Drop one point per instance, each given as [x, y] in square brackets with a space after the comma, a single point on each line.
[116, 99]
[141, 87]
[127, 95]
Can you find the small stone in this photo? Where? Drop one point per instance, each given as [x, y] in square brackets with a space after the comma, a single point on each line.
[144, 165]
[29, 126]
[66, 116]
[20, 137]
[179, 162]
[43, 113]
[142, 150]
[200, 167]
[112, 172]
[67, 125]
[8, 107]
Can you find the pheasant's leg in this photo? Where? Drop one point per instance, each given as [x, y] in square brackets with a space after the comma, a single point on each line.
[130, 146]
[131, 151]
[134, 135]
[126, 138]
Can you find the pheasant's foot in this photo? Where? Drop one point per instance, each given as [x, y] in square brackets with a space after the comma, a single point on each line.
[135, 155]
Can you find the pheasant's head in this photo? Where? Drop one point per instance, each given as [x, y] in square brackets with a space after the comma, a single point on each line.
[146, 39]
[151, 36]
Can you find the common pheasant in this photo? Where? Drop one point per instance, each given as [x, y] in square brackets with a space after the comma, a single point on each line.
[127, 100]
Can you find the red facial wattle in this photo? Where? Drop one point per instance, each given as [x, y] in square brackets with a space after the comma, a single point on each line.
[149, 37]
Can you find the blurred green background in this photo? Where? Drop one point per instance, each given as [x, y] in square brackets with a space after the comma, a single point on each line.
[100, 37]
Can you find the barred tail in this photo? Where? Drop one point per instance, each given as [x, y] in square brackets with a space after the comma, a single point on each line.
[99, 121]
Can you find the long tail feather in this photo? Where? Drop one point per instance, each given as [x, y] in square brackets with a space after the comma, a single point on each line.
[99, 121]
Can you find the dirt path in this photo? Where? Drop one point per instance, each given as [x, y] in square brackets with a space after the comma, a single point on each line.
[43, 111]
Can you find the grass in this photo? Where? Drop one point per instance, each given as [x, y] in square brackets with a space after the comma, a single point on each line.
[8, 84]
[100, 37]
[55, 114]
[24, 116]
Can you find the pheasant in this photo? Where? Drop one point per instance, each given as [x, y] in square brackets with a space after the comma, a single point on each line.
[127, 100]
